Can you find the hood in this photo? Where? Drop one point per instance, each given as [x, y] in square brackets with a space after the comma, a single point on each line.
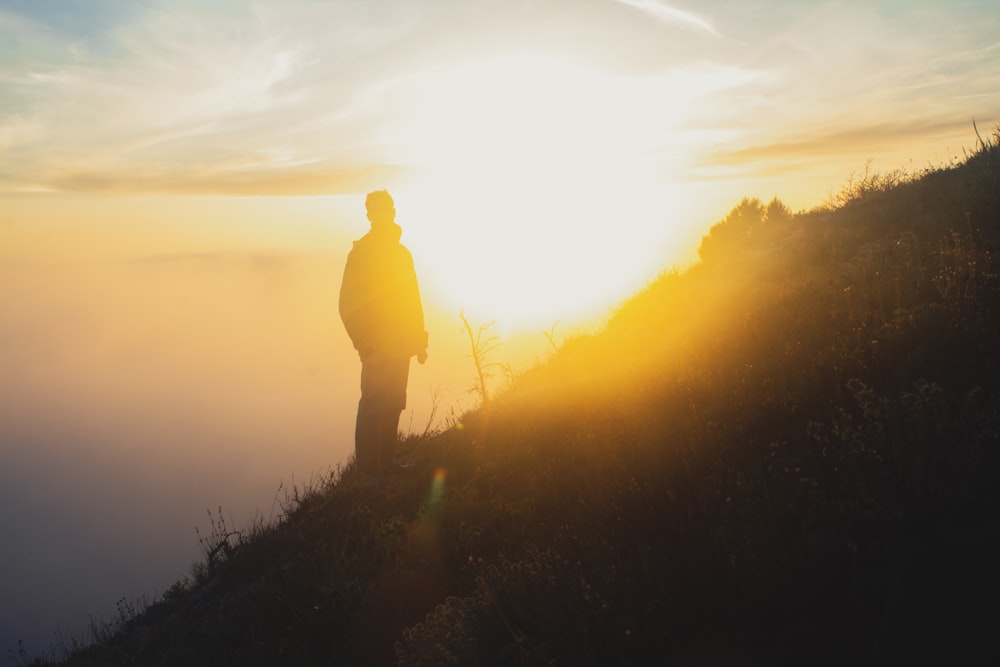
[386, 232]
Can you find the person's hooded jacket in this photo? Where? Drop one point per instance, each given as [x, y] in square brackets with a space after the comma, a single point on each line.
[379, 297]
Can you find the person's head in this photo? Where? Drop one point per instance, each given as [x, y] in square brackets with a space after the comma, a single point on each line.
[380, 207]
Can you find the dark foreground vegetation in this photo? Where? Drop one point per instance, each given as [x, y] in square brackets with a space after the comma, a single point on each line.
[787, 454]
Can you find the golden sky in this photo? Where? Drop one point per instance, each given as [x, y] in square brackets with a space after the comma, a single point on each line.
[306, 97]
[553, 155]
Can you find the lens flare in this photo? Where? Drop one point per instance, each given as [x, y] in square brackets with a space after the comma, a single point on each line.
[435, 498]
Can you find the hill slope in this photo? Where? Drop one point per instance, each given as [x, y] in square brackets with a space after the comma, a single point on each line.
[789, 453]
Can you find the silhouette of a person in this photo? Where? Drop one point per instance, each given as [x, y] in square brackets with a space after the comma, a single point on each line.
[381, 310]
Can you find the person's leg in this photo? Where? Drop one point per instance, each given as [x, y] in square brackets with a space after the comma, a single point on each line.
[396, 377]
[388, 434]
[367, 431]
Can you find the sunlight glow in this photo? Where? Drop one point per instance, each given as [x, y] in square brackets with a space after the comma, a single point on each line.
[543, 195]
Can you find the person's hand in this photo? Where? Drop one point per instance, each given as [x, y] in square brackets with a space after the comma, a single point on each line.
[421, 357]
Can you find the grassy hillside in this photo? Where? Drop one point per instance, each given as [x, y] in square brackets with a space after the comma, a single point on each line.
[787, 454]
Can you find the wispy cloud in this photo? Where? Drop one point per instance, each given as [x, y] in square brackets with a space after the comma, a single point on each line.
[851, 142]
[262, 181]
[669, 14]
[196, 102]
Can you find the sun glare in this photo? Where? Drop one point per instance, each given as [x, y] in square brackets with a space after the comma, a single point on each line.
[539, 199]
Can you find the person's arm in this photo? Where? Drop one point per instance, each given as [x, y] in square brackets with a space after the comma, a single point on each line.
[350, 305]
[416, 313]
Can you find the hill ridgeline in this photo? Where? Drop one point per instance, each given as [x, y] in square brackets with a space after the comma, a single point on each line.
[788, 453]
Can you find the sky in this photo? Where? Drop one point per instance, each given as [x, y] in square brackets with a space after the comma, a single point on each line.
[558, 133]
[180, 183]
[575, 119]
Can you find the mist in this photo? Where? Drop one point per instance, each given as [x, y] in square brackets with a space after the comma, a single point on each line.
[138, 393]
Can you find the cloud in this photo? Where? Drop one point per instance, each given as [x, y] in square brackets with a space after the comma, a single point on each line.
[862, 140]
[668, 14]
[240, 102]
[305, 97]
[310, 181]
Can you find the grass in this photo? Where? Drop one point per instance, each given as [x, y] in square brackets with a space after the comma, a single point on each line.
[787, 454]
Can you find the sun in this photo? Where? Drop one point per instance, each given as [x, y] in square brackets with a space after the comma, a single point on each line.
[539, 200]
